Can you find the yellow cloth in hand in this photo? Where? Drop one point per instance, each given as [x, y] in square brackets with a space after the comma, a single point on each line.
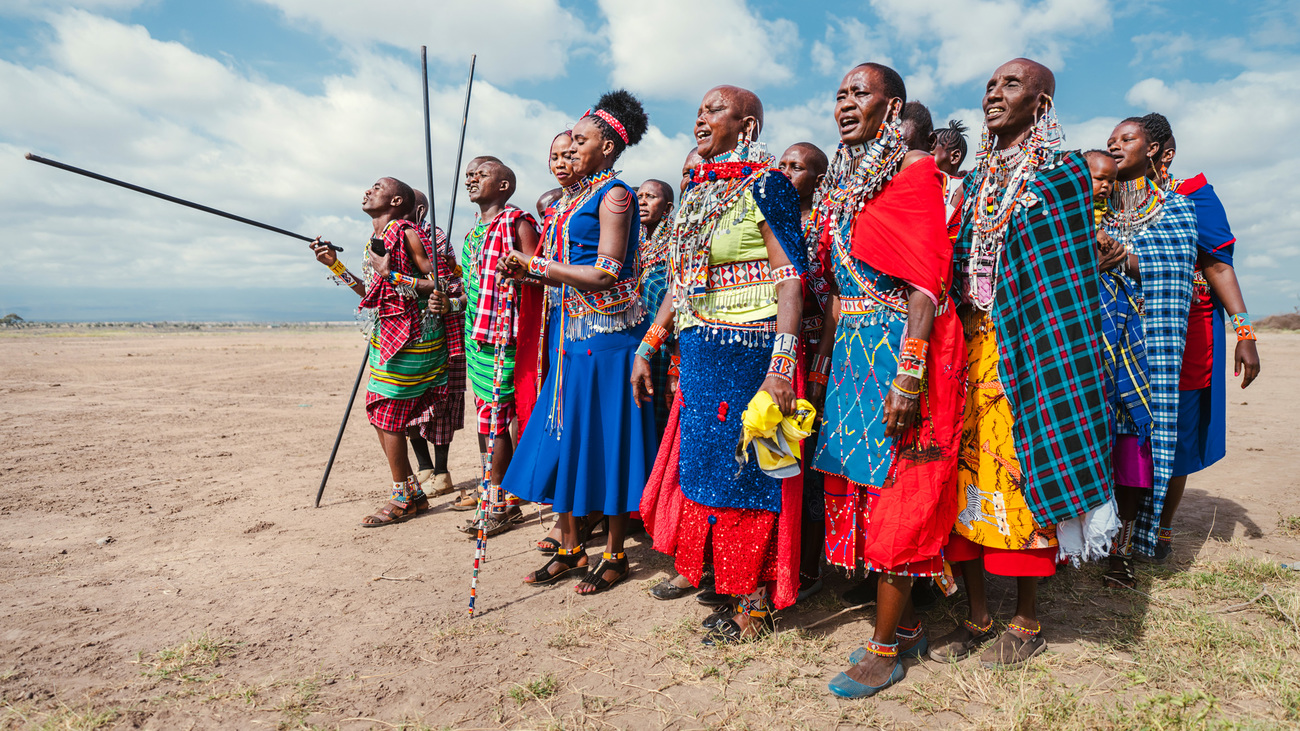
[777, 439]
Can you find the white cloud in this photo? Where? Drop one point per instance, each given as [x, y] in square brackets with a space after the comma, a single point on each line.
[40, 7]
[947, 43]
[527, 39]
[812, 121]
[654, 51]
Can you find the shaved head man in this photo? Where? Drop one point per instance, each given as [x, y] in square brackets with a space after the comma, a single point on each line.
[1025, 268]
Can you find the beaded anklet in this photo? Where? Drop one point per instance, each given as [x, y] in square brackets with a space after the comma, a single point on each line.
[1026, 630]
[975, 628]
[881, 649]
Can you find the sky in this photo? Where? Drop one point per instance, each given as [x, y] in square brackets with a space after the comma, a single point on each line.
[285, 111]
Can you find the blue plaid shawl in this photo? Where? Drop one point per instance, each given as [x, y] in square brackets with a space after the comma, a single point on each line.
[1128, 381]
[1047, 313]
[1166, 252]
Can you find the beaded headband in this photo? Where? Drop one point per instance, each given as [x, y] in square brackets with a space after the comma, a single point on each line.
[609, 119]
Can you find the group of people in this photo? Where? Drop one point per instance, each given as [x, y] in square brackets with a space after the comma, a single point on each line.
[869, 359]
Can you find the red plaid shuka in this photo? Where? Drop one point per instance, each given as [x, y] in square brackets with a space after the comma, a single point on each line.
[498, 241]
[400, 319]
[449, 272]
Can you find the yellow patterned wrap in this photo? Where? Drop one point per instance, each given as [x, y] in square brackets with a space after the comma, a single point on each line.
[993, 509]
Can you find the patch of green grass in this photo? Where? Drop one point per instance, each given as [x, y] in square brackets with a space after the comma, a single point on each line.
[61, 717]
[535, 690]
[181, 662]
[1289, 525]
[301, 701]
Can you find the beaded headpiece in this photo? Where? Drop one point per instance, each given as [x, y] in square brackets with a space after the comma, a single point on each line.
[610, 120]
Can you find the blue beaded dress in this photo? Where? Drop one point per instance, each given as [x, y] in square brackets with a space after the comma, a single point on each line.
[590, 448]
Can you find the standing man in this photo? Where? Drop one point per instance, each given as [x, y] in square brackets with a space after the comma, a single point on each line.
[1035, 442]
[490, 322]
[407, 351]
[445, 414]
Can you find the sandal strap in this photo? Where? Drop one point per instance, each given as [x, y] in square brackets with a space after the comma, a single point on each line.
[607, 556]
[579, 551]
[881, 649]
[976, 629]
[1026, 630]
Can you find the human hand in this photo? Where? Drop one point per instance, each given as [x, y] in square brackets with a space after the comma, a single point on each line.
[901, 413]
[324, 254]
[782, 393]
[1246, 359]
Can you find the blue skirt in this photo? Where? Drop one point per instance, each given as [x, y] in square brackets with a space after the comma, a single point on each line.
[595, 455]
[853, 444]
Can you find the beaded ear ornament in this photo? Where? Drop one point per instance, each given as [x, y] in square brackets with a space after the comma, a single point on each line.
[857, 173]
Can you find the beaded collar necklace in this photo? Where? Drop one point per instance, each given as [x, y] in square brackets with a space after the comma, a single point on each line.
[571, 200]
[1133, 207]
[857, 174]
[656, 244]
[1004, 182]
[716, 186]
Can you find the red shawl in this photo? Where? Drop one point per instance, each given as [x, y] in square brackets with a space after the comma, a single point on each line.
[902, 232]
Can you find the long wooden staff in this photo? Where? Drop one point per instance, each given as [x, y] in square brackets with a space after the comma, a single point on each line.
[460, 148]
[170, 198]
[365, 360]
[488, 495]
[428, 166]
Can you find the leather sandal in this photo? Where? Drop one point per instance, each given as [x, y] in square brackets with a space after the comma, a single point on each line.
[396, 512]
[1012, 650]
[728, 631]
[958, 644]
[567, 560]
[596, 577]
[466, 501]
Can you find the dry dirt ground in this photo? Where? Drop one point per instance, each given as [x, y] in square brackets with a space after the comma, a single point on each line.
[224, 600]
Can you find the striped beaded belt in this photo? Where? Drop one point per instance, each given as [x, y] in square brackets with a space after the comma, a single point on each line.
[737, 274]
[870, 304]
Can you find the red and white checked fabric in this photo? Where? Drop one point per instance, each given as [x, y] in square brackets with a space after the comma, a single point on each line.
[400, 320]
[498, 241]
[450, 273]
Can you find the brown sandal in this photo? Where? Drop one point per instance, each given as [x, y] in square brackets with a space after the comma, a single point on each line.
[395, 512]
[1011, 650]
[958, 644]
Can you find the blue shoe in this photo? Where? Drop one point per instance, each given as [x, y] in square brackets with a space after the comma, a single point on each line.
[916, 651]
[846, 687]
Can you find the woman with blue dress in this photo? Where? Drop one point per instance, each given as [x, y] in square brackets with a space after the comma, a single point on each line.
[590, 447]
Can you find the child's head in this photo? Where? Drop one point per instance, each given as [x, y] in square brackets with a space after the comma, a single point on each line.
[1103, 169]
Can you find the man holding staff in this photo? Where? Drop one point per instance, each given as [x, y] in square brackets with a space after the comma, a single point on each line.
[407, 350]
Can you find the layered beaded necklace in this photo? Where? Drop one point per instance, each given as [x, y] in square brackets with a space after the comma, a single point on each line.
[715, 187]
[1004, 181]
[857, 174]
[1133, 207]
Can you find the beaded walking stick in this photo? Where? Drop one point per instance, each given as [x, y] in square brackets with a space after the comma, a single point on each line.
[487, 494]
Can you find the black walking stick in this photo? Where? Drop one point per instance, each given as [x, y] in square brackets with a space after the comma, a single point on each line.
[460, 149]
[428, 166]
[346, 413]
[171, 198]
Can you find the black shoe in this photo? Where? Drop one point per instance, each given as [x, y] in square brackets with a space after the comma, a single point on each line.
[713, 620]
[860, 595]
[711, 598]
[924, 594]
[666, 590]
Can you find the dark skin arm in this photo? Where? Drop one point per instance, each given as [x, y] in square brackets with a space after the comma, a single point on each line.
[642, 381]
[1223, 282]
[826, 346]
[325, 255]
[901, 413]
[615, 223]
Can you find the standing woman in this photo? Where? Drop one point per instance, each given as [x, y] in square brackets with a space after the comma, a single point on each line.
[591, 447]
[1159, 231]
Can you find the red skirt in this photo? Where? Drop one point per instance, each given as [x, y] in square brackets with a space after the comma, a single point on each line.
[394, 415]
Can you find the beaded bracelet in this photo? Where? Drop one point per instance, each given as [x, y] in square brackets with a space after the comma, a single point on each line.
[399, 278]
[821, 364]
[675, 366]
[784, 348]
[653, 340]
[815, 377]
[780, 274]
[341, 274]
[1241, 323]
[609, 265]
[337, 268]
[909, 395]
[539, 266]
[915, 349]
